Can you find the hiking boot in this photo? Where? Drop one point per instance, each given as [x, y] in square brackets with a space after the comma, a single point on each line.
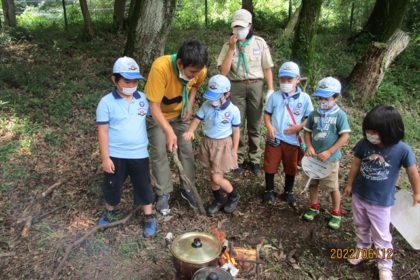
[238, 171]
[149, 227]
[289, 198]
[385, 274]
[334, 222]
[109, 217]
[269, 196]
[215, 207]
[162, 204]
[256, 169]
[189, 197]
[311, 214]
[231, 204]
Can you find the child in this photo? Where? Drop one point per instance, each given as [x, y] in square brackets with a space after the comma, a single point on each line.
[121, 120]
[285, 115]
[326, 131]
[374, 172]
[218, 150]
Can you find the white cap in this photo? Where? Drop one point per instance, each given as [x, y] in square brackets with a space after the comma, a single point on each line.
[289, 69]
[128, 68]
[242, 18]
[327, 87]
[218, 85]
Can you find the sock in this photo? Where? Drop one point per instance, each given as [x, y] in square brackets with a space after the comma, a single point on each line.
[336, 212]
[315, 206]
[269, 182]
[217, 195]
[288, 183]
[150, 216]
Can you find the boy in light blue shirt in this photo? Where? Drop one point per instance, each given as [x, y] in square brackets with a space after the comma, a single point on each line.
[326, 131]
[219, 146]
[285, 115]
[122, 135]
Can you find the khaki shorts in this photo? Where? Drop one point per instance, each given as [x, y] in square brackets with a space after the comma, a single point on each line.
[329, 183]
[217, 154]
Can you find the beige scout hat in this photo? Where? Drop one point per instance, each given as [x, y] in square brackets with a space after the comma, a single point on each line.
[242, 18]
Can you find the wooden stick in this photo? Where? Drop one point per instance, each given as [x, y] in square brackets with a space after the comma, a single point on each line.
[7, 254]
[85, 236]
[25, 230]
[51, 188]
[189, 187]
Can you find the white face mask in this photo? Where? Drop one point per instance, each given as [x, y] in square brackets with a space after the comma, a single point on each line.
[326, 105]
[183, 77]
[373, 138]
[129, 91]
[286, 88]
[242, 33]
[216, 104]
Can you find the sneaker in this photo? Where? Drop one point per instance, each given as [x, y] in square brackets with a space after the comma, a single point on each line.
[358, 258]
[269, 195]
[215, 207]
[256, 168]
[385, 274]
[149, 227]
[311, 214]
[231, 204]
[334, 222]
[189, 197]
[289, 198]
[109, 217]
[162, 204]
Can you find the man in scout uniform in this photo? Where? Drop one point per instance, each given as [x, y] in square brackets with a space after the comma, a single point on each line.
[246, 60]
[171, 88]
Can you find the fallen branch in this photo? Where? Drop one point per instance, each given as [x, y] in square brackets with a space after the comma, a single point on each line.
[27, 227]
[188, 185]
[50, 189]
[85, 236]
[8, 254]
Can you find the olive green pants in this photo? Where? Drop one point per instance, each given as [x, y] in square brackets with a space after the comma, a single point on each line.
[159, 154]
[250, 100]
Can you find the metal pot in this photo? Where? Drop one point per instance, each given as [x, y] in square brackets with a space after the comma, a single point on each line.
[194, 250]
[212, 273]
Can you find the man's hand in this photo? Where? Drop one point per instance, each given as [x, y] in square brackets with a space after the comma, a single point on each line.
[268, 94]
[292, 129]
[347, 190]
[324, 155]
[232, 41]
[171, 141]
[108, 165]
[188, 135]
[187, 115]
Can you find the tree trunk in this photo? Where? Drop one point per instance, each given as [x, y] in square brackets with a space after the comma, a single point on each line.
[351, 16]
[130, 14]
[118, 17]
[290, 27]
[248, 5]
[304, 41]
[87, 20]
[386, 18]
[9, 13]
[148, 30]
[368, 73]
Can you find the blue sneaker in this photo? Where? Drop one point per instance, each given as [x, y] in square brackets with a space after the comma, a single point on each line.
[109, 217]
[149, 227]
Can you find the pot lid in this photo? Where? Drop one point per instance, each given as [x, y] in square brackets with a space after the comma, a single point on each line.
[196, 247]
[212, 273]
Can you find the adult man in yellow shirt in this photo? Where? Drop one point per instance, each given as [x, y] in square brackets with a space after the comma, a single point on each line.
[171, 88]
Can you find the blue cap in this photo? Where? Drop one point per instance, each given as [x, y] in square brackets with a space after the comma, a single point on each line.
[289, 69]
[218, 85]
[327, 87]
[128, 68]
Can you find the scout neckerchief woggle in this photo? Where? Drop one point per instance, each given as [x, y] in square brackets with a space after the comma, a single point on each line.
[242, 57]
[185, 97]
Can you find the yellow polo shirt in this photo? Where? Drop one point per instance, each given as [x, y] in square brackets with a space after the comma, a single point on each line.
[163, 86]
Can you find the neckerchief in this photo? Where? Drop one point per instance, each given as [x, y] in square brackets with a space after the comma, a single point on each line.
[185, 97]
[242, 57]
[324, 115]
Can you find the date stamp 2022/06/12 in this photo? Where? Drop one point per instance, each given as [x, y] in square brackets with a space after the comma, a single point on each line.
[363, 253]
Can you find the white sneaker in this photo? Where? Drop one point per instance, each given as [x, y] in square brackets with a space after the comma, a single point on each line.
[385, 274]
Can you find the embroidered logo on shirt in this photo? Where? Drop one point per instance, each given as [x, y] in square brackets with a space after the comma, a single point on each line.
[141, 111]
[226, 118]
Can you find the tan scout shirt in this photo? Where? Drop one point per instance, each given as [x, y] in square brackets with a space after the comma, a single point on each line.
[258, 58]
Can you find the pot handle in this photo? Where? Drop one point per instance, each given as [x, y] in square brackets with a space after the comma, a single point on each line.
[212, 276]
[197, 243]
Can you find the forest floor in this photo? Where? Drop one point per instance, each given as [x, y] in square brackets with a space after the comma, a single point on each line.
[50, 87]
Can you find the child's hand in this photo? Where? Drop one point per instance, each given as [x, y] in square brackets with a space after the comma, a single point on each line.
[347, 190]
[310, 152]
[292, 129]
[108, 165]
[271, 132]
[324, 155]
[416, 199]
[235, 156]
[188, 136]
